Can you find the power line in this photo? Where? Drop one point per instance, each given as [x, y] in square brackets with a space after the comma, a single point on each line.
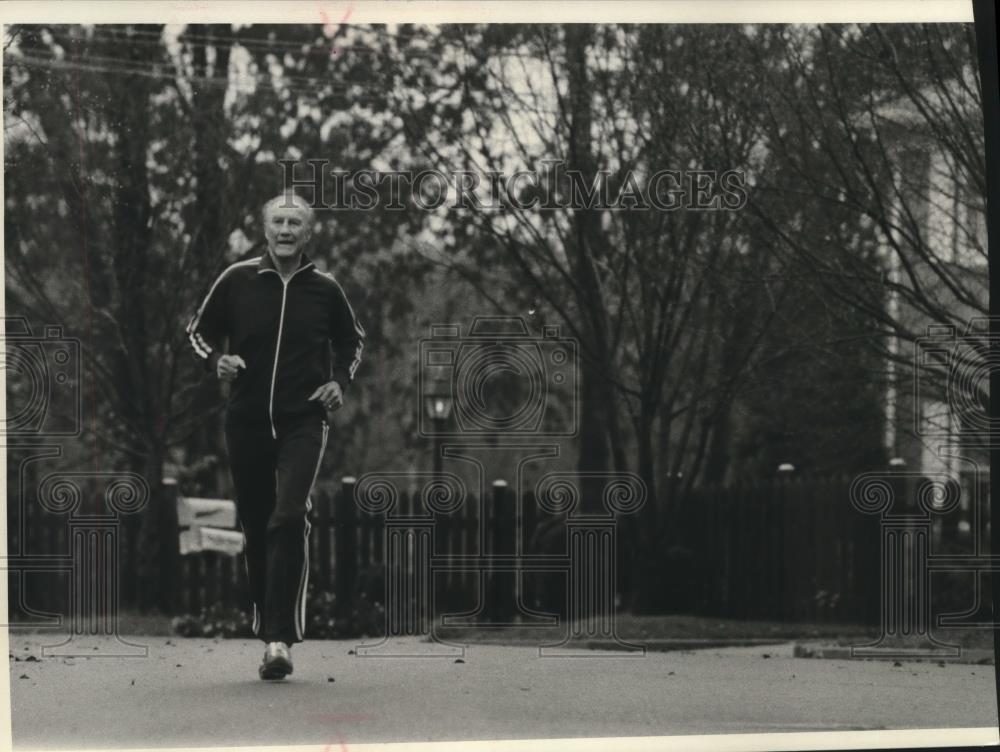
[152, 70]
[273, 45]
[382, 31]
[221, 81]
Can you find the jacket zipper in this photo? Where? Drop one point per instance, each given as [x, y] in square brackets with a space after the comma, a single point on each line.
[277, 345]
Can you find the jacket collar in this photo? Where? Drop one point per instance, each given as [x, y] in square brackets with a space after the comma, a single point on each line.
[265, 262]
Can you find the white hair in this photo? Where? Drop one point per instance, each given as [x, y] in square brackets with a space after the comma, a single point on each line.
[288, 199]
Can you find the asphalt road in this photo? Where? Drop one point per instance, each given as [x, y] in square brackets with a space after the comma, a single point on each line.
[200, 692]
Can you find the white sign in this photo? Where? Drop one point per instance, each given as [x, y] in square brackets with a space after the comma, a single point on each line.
[198, 539]
[196, 512]
[190, 541]
[224, 541]
[203, 526]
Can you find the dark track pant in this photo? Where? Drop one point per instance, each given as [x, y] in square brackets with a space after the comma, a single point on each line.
[273, 479]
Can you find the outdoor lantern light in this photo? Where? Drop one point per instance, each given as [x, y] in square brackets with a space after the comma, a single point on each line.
[438, 400]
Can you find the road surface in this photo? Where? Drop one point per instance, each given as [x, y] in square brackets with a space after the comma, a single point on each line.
[201, 692]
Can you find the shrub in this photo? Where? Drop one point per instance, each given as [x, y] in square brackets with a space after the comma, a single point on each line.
[366, 617]
[214, 621]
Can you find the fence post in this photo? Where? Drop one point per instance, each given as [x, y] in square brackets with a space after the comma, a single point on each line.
[129, 581]
[503, 579]
[170, 556]
[345, 569]
[777, 514]
[211, 578]
[444, 541]
[227, 595]
[469, 546]
[196, 578]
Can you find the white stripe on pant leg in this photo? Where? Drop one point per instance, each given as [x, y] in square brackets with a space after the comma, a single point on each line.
[300, 611]
[300, 599]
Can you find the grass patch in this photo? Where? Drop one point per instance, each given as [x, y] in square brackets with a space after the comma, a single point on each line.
[669, 627]
[637, 629]
[129, 623]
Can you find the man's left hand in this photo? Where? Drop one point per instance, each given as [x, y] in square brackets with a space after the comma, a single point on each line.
[330, 395]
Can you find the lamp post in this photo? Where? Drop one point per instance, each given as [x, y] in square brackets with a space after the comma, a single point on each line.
[438, 402]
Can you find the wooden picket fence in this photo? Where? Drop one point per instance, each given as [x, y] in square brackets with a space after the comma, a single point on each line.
[784, 551]
[794, 551]
[346, 543]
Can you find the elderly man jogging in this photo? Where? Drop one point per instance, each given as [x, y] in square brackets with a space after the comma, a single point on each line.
[294, 345]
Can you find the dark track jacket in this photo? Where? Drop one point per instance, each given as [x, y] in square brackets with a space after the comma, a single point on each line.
[293, 336]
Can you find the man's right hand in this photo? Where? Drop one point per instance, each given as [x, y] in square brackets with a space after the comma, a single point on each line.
[227, 369]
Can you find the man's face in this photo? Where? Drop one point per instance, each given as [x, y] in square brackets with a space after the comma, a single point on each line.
[286, 230]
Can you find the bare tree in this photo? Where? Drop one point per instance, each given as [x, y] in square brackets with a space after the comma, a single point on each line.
[876, 133]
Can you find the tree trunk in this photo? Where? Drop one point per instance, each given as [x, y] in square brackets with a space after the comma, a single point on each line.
[211, 215]
[587, 236]
[718, 449]
[131, 238]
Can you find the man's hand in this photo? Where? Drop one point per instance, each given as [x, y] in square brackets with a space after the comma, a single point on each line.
[330, 394]
[228, 367]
